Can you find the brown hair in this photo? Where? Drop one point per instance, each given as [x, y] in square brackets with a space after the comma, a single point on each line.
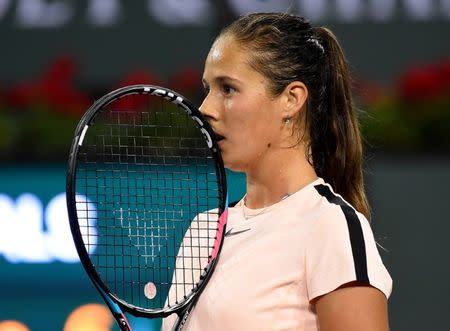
[286, 48]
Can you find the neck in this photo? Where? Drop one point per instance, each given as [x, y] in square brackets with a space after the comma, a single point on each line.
[281, 173]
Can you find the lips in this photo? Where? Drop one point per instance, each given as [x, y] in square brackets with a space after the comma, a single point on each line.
[219, 137]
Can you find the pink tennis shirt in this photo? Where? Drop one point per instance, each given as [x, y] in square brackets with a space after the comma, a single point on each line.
[275, 260]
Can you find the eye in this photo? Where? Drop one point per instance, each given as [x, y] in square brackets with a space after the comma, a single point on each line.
[228, 90]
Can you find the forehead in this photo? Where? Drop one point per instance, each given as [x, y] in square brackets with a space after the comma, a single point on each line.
[227, 52]
[228, 59]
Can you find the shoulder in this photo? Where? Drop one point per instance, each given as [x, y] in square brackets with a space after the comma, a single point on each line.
[341, 247]
[341, 227]
[318, 205]
[333, 213]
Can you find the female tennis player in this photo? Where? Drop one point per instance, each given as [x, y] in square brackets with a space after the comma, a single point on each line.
[299, 253]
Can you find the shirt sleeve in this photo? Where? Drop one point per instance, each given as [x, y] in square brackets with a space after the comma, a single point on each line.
[341, 248]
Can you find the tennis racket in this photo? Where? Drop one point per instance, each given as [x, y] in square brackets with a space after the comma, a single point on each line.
[147, 201]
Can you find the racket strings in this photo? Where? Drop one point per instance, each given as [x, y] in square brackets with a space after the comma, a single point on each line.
[151, 177]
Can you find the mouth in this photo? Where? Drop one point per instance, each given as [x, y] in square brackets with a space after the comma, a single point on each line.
[219, 137]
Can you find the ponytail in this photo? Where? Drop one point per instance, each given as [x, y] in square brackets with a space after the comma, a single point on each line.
[335, 141]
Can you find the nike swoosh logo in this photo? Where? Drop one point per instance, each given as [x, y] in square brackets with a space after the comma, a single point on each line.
[229, 233]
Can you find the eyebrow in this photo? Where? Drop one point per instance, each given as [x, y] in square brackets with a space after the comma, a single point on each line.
[221, 79]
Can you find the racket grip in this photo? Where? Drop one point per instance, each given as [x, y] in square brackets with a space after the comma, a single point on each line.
[122, 322]
[179, 325]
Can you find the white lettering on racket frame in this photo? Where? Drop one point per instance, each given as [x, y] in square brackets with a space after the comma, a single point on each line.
[31, 234]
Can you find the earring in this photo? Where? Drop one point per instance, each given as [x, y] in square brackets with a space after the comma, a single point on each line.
[287, 120]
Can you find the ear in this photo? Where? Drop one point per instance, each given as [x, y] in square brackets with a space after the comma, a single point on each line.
[294, 98]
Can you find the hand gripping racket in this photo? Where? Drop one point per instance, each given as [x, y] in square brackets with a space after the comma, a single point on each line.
[147, 201]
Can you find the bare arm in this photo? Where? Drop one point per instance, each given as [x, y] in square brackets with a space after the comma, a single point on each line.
[353, 307]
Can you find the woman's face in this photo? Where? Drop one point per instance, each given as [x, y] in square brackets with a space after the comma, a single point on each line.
[239, 107]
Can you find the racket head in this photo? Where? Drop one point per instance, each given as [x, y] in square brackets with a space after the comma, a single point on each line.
[147, 197]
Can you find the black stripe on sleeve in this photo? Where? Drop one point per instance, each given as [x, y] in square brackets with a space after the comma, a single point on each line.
[355, 231]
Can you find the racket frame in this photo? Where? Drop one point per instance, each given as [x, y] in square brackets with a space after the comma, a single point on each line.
[117, 305]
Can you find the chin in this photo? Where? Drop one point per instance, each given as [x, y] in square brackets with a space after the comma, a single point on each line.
[235, 165]
[234, 160]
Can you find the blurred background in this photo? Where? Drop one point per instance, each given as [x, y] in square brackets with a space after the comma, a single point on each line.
[58, 56]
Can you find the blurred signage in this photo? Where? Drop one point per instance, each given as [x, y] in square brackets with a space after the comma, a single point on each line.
[104, 13]
[35, 228]
[30, 233]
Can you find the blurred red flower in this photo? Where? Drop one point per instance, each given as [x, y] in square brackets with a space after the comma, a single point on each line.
[139, 76]
[55, 89]
[136, 77]
[22, 95]
[187, 81]
[424, 82]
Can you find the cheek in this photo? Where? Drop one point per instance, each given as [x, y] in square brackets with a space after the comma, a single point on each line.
[249, 118]
[228, 104]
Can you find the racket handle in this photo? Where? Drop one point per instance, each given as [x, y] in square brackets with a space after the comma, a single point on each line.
[181, 321]
[184, 316]
[122, 322]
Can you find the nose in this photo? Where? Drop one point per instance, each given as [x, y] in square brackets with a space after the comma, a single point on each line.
[208, 109]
